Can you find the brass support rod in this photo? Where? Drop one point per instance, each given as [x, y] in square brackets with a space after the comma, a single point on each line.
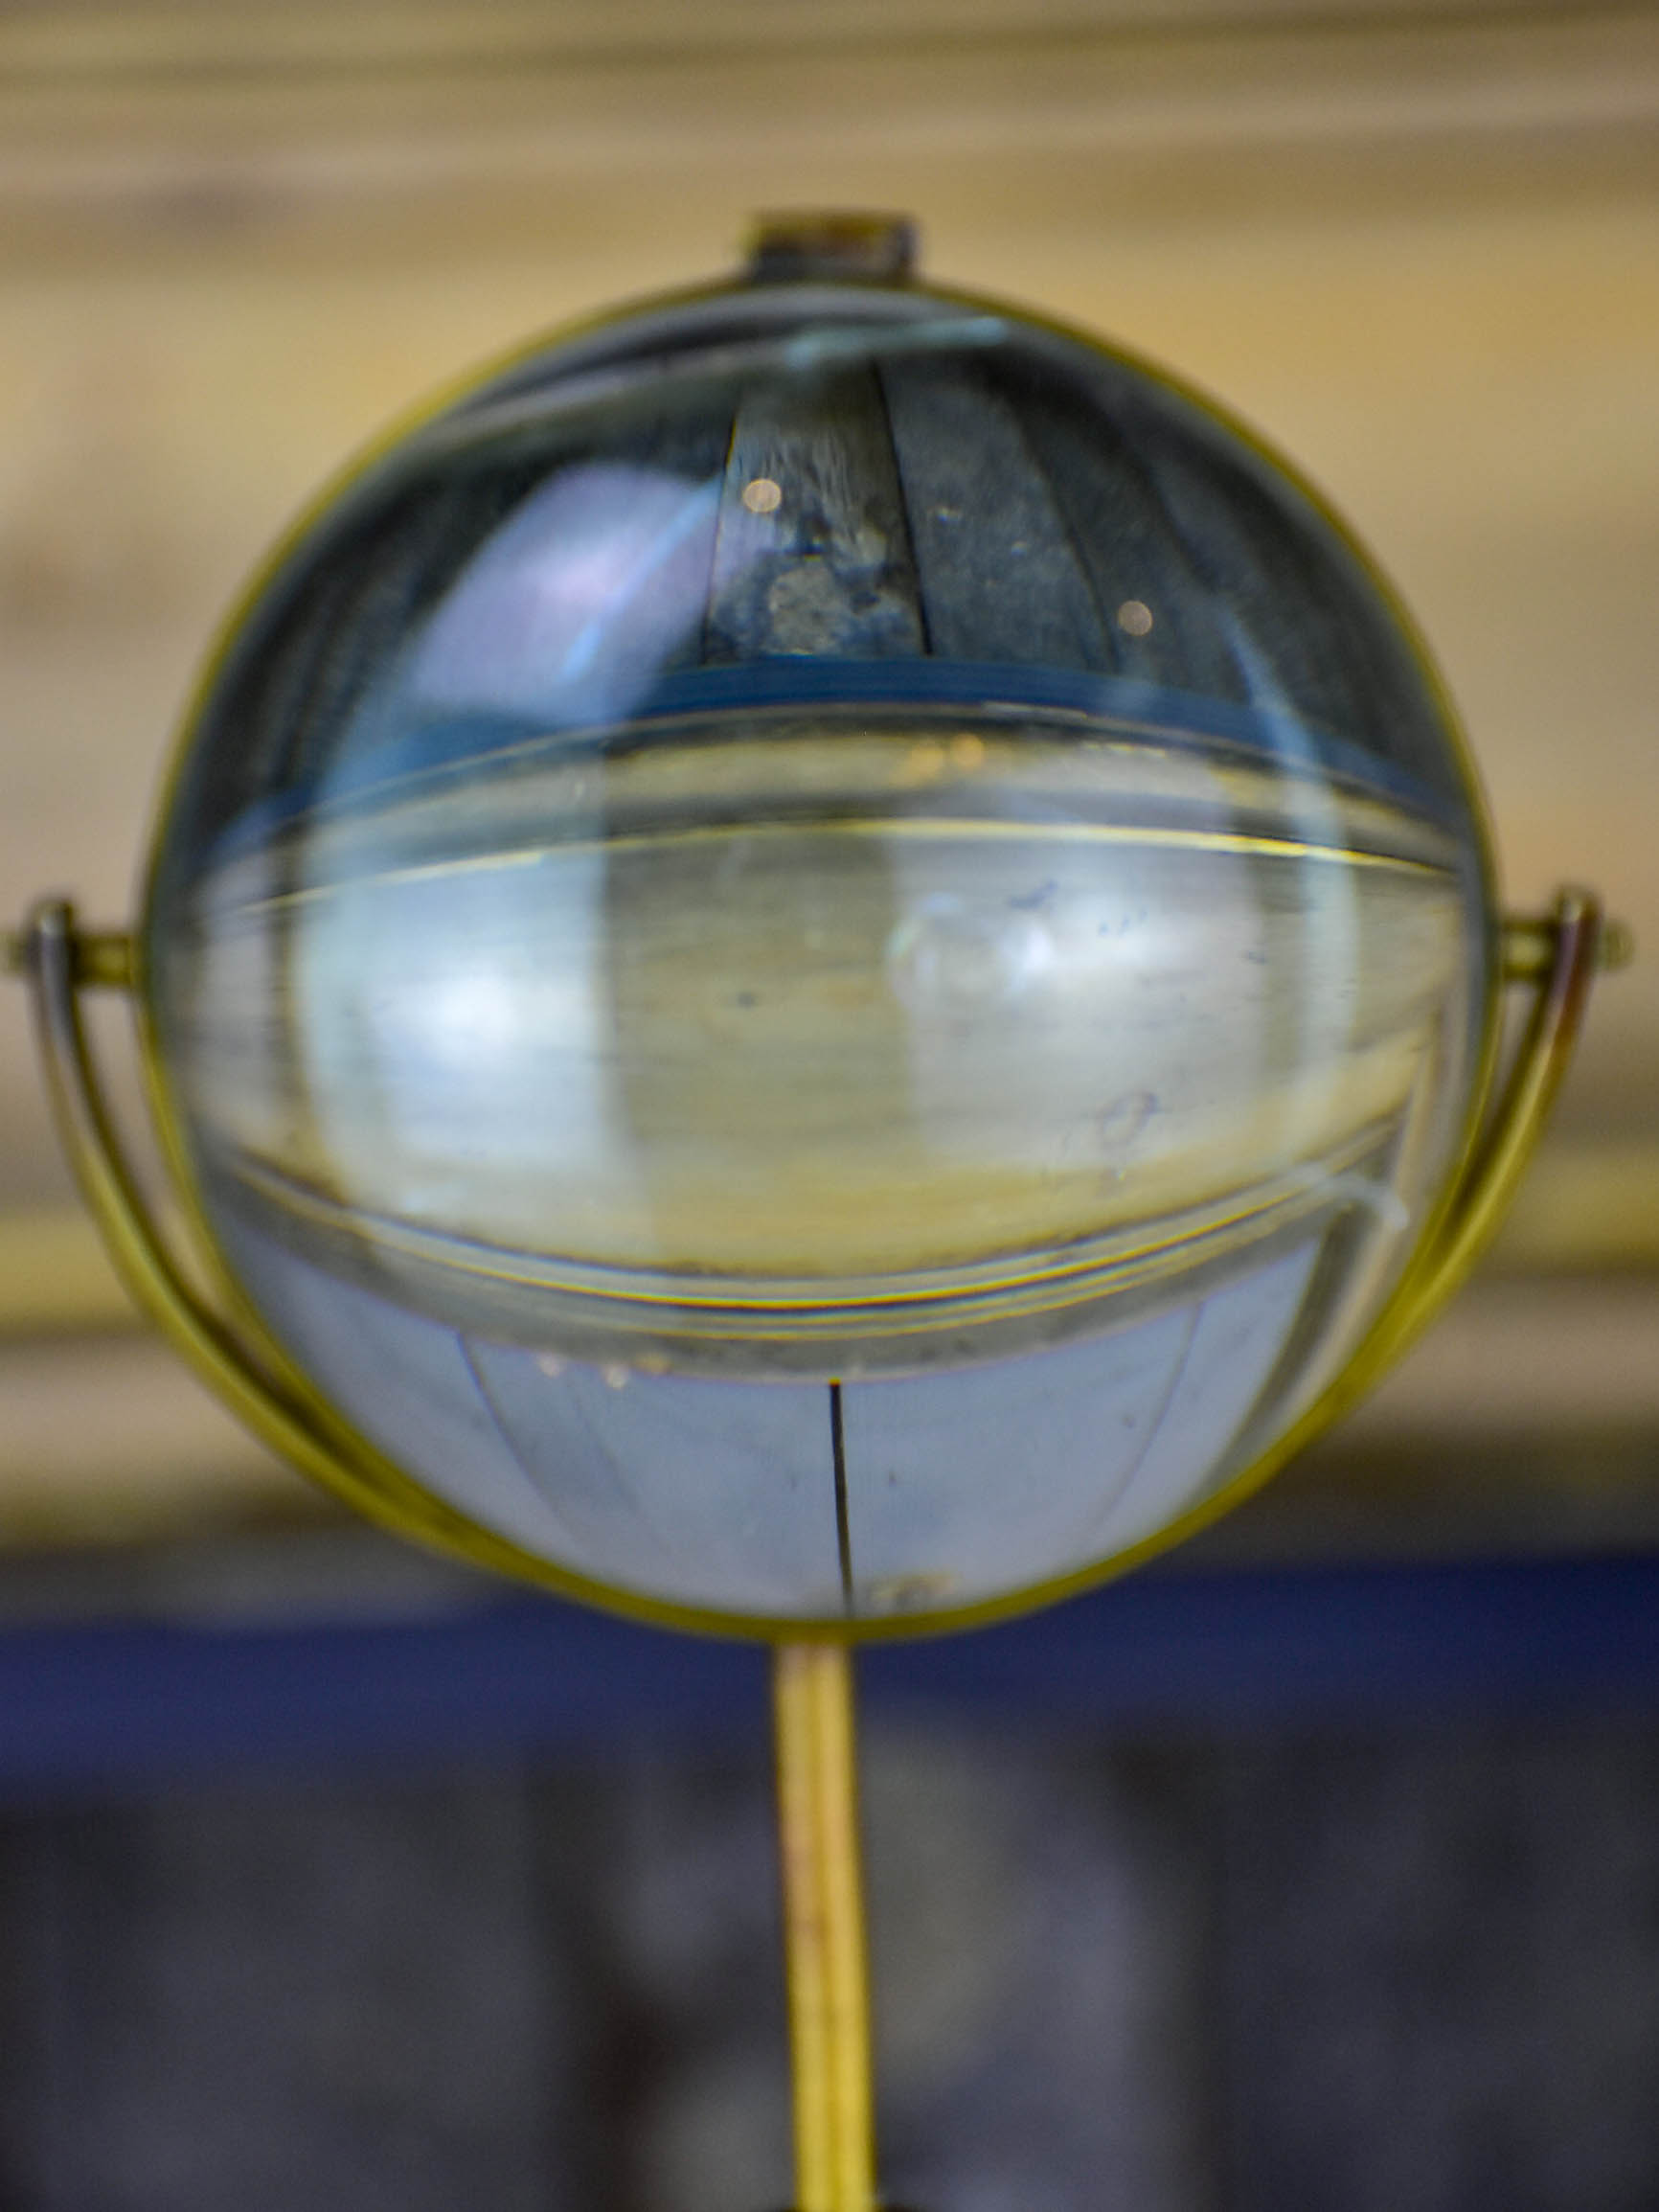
[824, 1942]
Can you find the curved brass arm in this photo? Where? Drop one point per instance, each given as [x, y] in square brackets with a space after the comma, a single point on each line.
[57, 964]
[1559, 955]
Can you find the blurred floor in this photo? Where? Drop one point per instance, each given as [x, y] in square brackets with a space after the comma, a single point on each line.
[1401, 1966]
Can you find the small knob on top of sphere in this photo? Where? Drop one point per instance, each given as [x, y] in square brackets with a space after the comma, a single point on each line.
[798, 245]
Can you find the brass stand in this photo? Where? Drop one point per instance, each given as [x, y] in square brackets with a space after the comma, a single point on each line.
[1553, 957]
[823, 1943]
[1556, 956]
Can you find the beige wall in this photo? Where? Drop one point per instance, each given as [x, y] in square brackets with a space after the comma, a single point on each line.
[1420, 252]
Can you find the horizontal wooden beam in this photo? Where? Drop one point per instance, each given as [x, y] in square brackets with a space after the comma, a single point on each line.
[165, 37]
[108, 1439]
[1583, 1210]
[196, 126]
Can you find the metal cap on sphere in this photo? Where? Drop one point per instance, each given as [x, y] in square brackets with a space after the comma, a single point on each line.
[823, 952]
[791, 248]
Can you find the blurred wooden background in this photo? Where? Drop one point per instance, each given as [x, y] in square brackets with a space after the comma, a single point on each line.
[1416, 244]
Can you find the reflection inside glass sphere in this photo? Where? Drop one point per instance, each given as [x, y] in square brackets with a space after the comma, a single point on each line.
[751, 1014]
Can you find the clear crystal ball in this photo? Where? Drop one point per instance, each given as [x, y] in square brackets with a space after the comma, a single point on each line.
[820, 955]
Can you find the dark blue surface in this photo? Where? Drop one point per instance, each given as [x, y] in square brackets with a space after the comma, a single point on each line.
[1127, 707]
[91, 1705]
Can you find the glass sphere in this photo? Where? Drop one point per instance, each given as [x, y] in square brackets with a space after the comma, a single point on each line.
[821, 954]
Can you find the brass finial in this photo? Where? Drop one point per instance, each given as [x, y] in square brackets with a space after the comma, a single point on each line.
[797, 246]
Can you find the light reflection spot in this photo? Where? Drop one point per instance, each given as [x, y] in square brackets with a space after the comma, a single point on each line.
[762, 496]
[922, 763]
[1135, 616]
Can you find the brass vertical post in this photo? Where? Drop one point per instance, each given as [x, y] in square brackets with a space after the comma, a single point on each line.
[823, 1941]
